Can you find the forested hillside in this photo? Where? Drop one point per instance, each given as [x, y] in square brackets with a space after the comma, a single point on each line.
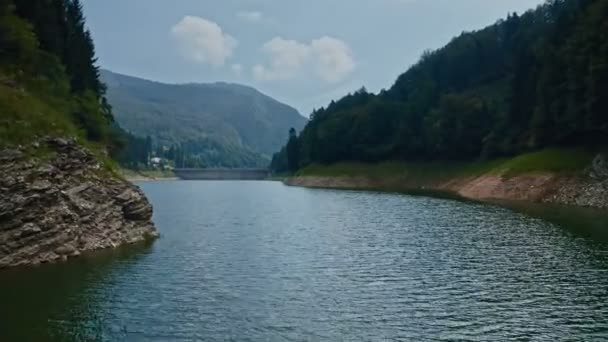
[60, 193]
[198, 125]
[49, 82]
[48, 78]
[527, 82]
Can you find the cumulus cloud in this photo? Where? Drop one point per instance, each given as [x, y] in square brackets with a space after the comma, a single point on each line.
[287, 57]
[250, 16]
[203, 41]
[237, 69]
[334, 59]
[329, 58]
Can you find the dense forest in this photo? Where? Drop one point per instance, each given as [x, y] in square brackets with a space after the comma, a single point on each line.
[49, 81]
[212, 124]
[525, 83]
[200, 153]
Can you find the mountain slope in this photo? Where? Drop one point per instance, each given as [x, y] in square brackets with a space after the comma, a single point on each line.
[59, 196]
[524, 84]
[224, 124]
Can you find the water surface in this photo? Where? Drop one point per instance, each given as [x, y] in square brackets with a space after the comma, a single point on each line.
[259, 261]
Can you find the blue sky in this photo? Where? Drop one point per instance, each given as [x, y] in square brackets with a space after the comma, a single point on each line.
[303, 53]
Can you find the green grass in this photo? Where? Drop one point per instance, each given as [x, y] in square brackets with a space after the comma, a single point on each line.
[430, 171]
[26, 117]
[549, 160]
[354, 169]
[158, 174]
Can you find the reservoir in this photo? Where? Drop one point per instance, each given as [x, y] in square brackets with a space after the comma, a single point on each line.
[260, 261]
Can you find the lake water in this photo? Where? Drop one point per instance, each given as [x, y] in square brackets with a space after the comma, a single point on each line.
[259, 261]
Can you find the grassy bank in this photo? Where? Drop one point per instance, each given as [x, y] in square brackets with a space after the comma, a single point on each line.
[30, 116]
[555, 176]
[562, 161]
[26, 117]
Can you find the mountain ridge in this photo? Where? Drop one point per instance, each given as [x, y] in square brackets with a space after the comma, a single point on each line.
[221, 123]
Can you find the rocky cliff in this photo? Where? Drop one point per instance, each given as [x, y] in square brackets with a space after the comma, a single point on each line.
[63, 203]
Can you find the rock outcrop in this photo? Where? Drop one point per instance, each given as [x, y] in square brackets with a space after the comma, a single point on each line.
[63, 203]
[589, 190]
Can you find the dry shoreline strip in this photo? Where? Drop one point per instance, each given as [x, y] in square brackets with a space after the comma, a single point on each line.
[545, 187]
[142, 178]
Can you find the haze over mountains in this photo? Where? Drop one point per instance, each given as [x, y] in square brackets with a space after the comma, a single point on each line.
[225, 125]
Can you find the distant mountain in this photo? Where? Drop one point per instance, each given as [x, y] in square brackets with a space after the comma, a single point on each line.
[222, 124]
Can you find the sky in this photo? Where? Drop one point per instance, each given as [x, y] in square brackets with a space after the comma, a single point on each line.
[303, 53]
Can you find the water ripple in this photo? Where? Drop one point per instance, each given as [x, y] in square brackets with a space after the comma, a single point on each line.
[257, 261]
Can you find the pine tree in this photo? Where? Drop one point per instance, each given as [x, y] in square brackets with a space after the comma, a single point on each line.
[293, 151]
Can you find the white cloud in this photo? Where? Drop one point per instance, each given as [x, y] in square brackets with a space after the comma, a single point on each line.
[237, 69]
[287, 57]
[203, 41]
[334, 59]
[250, 16]
[329, 58]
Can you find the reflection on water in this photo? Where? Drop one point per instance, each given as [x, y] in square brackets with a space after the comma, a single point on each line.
[54, 303]
[582, 222]
[261, 261]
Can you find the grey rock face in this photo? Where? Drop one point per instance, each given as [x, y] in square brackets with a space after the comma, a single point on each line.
[582, 192]
[588, 190]
[599, 167]
[56, 208]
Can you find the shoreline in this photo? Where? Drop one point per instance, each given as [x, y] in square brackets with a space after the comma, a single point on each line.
[143, 176]
[134, 179]
[547, 188]
[64, 205]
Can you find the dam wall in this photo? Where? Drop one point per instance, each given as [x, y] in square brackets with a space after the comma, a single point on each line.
[222, 174]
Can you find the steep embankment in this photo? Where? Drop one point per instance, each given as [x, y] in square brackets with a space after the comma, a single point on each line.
[58, 198]
[491, 181]
[57, 201]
